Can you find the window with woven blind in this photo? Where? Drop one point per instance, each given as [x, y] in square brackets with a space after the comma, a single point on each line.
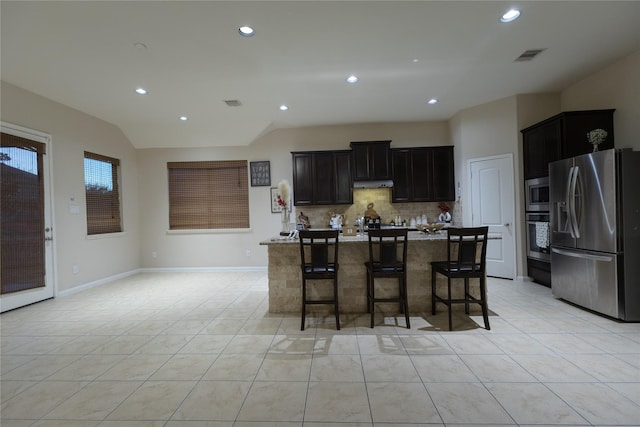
[208, 195]
[103, 195]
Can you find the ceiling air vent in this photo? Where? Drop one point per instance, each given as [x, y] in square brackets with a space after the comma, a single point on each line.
[233, 103]
[528, 55]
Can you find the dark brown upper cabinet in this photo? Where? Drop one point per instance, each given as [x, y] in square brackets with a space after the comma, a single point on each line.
[562, 136]
[322, 178]
[371, 160]
[423, 174]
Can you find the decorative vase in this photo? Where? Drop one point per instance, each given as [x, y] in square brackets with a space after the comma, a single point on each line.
[595, 147]
[286, 219]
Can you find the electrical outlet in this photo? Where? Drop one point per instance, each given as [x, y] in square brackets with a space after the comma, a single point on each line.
[74, 269]
[154, 254]
[247, 252]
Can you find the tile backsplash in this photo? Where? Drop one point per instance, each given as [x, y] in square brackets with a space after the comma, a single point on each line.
[381, 199]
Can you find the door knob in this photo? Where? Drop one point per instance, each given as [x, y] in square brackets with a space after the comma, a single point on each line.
[507, 224]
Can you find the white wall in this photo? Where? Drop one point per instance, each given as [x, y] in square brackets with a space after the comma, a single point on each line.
[72, 133]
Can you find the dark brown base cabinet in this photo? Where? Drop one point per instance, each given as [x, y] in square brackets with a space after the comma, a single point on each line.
[562, 136]
[539, 271]
[423, 174]
[322, 178]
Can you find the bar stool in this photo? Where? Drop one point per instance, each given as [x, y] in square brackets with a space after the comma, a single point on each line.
[466, 259]
[388, 259]
[319, 261]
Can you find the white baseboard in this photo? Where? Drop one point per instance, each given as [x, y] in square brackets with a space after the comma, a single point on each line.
[200, 269]
[95, 283]
[109, 279]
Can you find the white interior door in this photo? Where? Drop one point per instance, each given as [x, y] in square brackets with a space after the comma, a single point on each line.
[27, 239]
[492, 205]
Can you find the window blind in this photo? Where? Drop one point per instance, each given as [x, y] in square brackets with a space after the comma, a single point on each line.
[208, 195]
[103, 194]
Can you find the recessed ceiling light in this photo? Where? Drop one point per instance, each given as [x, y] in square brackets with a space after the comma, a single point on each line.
[183, 118]
[139, 45]
[283, 108]
[416, 60]
[141, 91]
[510, 15]
[352, 79]
[246, 31]
[432, 101]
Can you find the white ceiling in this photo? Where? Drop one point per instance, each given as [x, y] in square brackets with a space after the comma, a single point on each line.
[82, 54]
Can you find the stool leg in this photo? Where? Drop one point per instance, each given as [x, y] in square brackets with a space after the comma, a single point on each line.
[485, 308]
[372, 298]
[433, 291]
[466, 295]
[368, 294]
[304, 298]
[405, 302]
[400, 296]
[335, 299]
[449, 302]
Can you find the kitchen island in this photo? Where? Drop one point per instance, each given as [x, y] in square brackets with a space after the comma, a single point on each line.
[285, 276]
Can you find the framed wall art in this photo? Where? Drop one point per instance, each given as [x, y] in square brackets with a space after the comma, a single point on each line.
[275, 207]
[260, 173]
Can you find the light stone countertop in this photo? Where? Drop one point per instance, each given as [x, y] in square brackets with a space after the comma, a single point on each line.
[412, 236]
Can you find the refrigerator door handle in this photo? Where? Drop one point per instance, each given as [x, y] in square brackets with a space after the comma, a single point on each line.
[567, 202]
[573, 177]
[594, 257]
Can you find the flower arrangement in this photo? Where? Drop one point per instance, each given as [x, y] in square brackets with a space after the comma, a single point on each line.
[284, 191]
[596, 137]
[444, 207]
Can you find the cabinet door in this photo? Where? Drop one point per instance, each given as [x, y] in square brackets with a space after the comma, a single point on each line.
[400, 172]
[343, 183]
[302, 179]
[379, 160]
[541, 146]
[323, 178]
[424, 174]
[371, 160]
[442, 174]
[421, 175]
[360, 161]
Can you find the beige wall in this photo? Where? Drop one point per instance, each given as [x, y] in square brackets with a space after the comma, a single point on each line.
[175, 250]
[72, 132]
[617, 86]
[488, 130]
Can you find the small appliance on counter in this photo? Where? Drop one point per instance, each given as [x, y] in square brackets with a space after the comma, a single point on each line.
[372, 223]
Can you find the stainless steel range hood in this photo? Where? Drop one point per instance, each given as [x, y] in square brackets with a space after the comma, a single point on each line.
[384, 183]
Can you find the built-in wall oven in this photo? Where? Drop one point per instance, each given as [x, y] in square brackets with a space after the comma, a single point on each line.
[538, 234]
[537, 194]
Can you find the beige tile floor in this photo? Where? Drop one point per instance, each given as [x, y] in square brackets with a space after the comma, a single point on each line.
[201, 349]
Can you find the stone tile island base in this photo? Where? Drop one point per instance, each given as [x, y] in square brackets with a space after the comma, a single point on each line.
[285, 277]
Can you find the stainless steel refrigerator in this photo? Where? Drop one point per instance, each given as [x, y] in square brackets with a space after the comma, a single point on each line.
[595, 232]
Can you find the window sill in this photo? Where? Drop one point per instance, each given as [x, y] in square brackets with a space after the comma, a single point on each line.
[211, 231]
[105, 235]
